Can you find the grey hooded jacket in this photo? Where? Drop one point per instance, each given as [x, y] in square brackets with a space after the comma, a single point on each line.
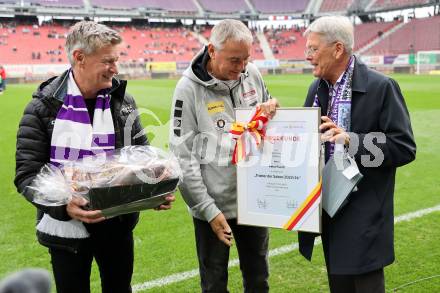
[202, 112]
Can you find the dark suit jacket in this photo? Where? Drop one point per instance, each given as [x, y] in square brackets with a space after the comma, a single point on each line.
[359, 238]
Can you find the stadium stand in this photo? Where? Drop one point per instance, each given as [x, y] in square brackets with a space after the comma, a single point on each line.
[289, 44]
[257, 52]
[206, 31]
[145, 44]
[159, 44]
[25, 42]
[224, 6]
[286, 44]
[280, 6]
[366, 32]
[32, 44]
[335, 6]
[417, 35]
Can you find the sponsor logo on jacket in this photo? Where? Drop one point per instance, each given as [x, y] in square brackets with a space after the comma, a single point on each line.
[216, 107]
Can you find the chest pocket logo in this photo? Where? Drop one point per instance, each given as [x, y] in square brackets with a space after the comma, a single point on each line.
[250, 97]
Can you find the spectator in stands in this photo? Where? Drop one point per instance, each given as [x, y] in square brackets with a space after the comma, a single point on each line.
[359, 105]
[219, 77]
[2, 79]
[75, 236]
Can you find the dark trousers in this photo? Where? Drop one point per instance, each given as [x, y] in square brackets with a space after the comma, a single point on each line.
[252, 245]
[113, 252]
[371, 282]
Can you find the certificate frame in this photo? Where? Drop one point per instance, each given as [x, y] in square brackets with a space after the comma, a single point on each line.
[279, 193]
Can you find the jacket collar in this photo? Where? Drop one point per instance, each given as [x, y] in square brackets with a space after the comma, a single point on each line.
[199, 65]
[359, 83]
[56, 87]
[360, 77]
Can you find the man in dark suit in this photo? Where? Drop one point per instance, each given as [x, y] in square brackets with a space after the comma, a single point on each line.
[365, 111]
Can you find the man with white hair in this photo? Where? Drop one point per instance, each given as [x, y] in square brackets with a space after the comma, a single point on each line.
[364, 110]
[219, 79]
[84, 111]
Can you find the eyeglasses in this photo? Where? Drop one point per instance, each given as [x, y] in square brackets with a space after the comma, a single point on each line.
[310, 51]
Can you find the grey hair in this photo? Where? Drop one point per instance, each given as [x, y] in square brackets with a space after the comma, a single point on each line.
[90, 36]
[230, 29]
[334, 29]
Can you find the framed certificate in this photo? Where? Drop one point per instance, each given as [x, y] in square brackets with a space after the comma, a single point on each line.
[278, 183]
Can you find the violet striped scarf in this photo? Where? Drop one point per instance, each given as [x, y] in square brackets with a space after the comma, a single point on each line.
[339, 104]
[74, 137]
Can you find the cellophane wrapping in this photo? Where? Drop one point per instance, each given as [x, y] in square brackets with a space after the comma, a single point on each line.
[128, 166]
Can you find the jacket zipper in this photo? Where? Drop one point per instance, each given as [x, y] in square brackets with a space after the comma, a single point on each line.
[232, 98]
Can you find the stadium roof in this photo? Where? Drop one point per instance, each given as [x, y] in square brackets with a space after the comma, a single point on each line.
[204, 9]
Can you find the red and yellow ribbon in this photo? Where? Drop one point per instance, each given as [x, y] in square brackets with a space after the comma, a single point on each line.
[304, 208]
[255, 127]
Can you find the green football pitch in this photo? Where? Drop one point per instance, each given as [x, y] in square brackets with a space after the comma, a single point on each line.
[165, 259]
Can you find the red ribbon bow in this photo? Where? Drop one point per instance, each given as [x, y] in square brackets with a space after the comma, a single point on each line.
[255, 128]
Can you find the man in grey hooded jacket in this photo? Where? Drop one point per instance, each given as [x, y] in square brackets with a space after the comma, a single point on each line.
[218, 80]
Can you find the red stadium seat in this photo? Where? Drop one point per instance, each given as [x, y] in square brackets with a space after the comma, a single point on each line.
[417, 35]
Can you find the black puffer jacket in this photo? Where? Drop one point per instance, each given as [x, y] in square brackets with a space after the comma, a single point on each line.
[34, 138]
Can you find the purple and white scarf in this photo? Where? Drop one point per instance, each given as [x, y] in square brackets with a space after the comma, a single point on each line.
[339, 105]
[74, 137]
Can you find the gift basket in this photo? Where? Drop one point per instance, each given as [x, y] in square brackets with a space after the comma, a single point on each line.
[126, 180]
